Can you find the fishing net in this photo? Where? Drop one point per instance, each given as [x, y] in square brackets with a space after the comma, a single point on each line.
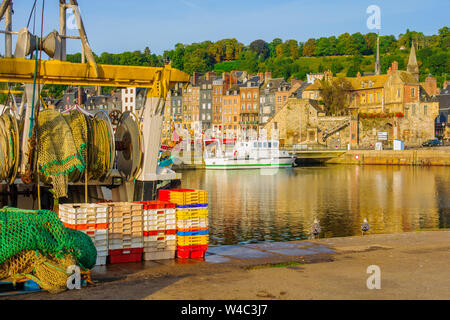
[49, 272]
[8, 147]
[57, 151]
[36, 245]
[68, 143]
[99, 148]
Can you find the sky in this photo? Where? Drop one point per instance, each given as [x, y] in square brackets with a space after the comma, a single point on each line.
[115, 26]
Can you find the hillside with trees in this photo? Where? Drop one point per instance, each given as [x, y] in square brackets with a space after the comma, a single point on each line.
[345, 55]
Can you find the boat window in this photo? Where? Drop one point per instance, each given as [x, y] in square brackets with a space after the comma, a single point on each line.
[275, 144]
[270, 144]
[259, 144]
[265, 144]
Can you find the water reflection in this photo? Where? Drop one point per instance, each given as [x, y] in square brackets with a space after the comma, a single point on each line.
[248, 207]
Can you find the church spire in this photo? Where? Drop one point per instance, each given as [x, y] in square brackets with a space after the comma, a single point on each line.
[413, 67]
[378, 63]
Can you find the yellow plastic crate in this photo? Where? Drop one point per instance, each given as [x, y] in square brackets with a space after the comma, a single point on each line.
[192, 240]
[192, 213]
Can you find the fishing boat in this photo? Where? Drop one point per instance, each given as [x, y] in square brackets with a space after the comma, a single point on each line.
[253, 154]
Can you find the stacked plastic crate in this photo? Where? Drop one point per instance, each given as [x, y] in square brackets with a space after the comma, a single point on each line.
[192, 220]
[159, 230]
[126, 233]
[91, 219]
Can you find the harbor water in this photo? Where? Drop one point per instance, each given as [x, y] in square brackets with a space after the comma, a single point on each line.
[250, 206]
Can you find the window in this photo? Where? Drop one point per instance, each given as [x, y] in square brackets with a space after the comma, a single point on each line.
[126, 99]
[225, 102]
[425, 110]
[284, 98]
[255, 95]
[363, 98]
[209, 105]
[398, 93]
[255, 106]
[371, 97]
[249, 95]
[209, 117]
[413, 92]
[249, 106]
[259, 144]
[270, 144]
[378, 97]
[243, 107]
[265, 145]
[235, 101]
[370, 84]
[279, 99]
[362, 84]
[204, 107]
[243, 96]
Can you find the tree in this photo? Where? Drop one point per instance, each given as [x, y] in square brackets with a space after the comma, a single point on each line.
[334, 94]
[344, 44]
[309, 48]
[444, 37]
[261, 48]
[275, 42]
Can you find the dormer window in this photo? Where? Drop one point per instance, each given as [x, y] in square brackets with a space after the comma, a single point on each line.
[370, 84]
[362, 84]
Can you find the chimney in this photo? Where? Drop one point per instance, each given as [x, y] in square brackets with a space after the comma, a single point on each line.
[430, 86]
[195, 77]
[389, 71]
[209, 75]
[394, 66]
[268, 75]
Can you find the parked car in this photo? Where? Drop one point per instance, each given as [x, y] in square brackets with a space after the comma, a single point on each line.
[432, 143]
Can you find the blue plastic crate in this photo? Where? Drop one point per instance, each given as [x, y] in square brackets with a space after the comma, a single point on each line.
[192, 233]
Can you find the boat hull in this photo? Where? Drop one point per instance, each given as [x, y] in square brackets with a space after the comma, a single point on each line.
[228, 164]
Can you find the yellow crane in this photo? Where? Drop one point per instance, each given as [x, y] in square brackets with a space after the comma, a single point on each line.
[34, 73]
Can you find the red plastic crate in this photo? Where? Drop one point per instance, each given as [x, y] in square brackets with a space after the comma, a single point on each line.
[186, 252]
[125, 255]
[164, 194]
[125, 258]
[156, 232]
[157, 204]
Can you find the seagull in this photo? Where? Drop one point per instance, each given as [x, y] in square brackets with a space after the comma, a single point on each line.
[365, 226]
[316, 229]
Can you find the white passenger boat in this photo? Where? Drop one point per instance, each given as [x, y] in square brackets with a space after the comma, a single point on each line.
[253, 154]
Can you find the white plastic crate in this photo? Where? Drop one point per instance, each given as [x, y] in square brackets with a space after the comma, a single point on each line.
[101, 260]
[159, 255]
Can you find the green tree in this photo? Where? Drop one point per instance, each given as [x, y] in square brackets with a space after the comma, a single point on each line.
[261, 48]
[309, 48]
[333, 95]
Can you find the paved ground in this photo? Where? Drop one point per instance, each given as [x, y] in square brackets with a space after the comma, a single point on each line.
[413, 266]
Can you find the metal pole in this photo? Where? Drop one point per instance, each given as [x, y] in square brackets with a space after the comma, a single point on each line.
[8, 28]
[62, 29]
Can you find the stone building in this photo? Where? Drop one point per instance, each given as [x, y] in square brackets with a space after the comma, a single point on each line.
[206, 98]
[267, 99]
[231, 111]
[296, 123]
[249, 113]
[395, 105]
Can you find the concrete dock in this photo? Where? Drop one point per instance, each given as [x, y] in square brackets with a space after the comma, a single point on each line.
[413, 265]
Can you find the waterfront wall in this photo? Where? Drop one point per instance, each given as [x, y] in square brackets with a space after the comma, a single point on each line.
[420, 157]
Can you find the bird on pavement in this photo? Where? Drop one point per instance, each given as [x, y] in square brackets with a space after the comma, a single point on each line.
[316, 229]
[365, 226]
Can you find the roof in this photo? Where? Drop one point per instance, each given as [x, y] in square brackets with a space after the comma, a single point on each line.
[407, 77]
[378, 81]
